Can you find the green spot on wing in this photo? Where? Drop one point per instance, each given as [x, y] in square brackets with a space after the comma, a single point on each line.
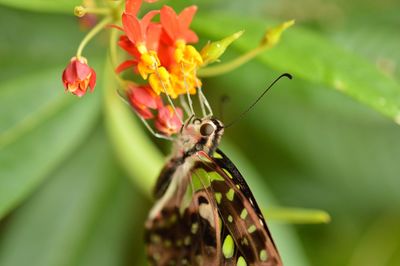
[230, 194]
[252, 229]
[263, 255]
[227, 173]
[243, 214]
[241, 261]
[217, 155]
[214, 176]
[218, 197]
[201, 178]
[194, 228]
[228, 247]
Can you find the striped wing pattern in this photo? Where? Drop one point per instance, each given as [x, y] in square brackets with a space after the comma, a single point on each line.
[215, 222]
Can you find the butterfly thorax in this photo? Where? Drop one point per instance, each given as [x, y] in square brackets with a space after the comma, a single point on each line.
[198, 138]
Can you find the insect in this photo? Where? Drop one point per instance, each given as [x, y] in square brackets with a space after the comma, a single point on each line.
[205, 213]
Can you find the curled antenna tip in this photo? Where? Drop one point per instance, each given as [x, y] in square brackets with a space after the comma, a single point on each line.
[289, 76]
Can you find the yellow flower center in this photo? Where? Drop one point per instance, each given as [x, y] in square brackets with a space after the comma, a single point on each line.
[80, 84]
[181, 77]
[148, 63]
[160, 81]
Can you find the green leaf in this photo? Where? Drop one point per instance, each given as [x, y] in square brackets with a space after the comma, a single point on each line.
[40, 126]
[52, 6]
[375, 40]
[137, 154]
[297, 215]
[312, 57]
[83, 215]
[38, 48]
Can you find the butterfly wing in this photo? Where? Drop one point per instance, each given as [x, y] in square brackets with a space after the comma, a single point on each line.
[241, 215]
[184, 227]
[209, 218]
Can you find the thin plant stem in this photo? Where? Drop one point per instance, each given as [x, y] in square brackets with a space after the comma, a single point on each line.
[227, 67]
[91, 34]
[114, 57]
[97, 10]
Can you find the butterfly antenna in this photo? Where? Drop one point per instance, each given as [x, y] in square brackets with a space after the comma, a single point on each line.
[287, 75]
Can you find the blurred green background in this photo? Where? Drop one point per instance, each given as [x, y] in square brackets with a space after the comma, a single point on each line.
[75, 174]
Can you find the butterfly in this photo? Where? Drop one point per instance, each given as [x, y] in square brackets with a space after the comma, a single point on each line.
[205, 213]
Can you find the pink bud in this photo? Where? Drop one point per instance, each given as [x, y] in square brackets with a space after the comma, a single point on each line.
[169, 122]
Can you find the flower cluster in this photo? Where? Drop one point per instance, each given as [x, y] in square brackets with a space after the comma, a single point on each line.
[161, 55]
[160, 50]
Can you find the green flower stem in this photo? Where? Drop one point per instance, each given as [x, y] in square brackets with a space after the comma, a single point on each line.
[229, 66]
[98, 10]
[81, 11]
[91, 34]
[297, 215]
[114, 59]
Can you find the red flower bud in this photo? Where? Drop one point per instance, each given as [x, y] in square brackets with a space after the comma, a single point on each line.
[78, 76]
[142, 99]
[169, 122]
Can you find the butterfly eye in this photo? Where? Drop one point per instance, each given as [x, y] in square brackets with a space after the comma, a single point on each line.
[206, 129]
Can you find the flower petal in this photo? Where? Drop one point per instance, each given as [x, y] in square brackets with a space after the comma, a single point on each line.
[153, 36]
[142, 99]
[92, 82]
[125, 65]
[113, 26]
[190, 36]
[69, 74]
[168, 122]
[82, 70]
[132, 28]
[128, 46]
[132, 6]
[186, 16]
[148, 17]
[169, 21]
[79, 92]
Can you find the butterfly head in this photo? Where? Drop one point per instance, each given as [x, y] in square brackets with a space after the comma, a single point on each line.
[201, 135]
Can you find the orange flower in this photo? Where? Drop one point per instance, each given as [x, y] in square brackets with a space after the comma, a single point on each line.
[141, 39]
[159, 49]
[78, 76]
